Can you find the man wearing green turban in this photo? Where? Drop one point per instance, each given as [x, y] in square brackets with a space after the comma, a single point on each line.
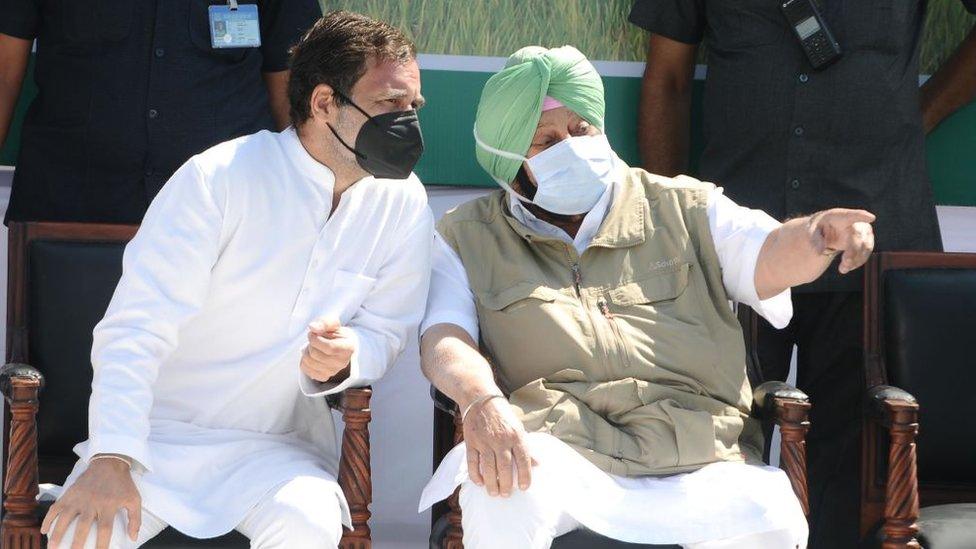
[609, 389]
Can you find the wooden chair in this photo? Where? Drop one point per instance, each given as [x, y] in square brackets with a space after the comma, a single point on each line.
[774, 402]
[60, 279]
[919, 330]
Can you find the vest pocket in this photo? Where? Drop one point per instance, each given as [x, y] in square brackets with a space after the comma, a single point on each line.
[663, 285]
[694, 433]
[509, 299]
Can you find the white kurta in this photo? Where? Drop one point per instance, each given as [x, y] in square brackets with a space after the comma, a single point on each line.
[196, 363]
[718, 501]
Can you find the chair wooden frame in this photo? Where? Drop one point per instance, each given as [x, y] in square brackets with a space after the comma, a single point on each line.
[890, 491]
[21, 386]
[774, 401]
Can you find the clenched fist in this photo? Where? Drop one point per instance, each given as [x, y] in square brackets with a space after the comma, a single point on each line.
[329, 350]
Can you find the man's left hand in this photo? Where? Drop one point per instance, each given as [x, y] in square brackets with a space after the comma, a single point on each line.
[329, 350]
[847, 232]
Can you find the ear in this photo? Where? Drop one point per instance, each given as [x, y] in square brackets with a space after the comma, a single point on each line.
[323, 102]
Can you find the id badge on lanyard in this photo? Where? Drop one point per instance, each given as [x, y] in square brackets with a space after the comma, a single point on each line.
[234, 26]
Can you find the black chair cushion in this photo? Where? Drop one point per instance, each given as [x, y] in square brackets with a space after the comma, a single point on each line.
[172, 539]
[929, 327]
[948, 526]
[70, 285]
[580, 539]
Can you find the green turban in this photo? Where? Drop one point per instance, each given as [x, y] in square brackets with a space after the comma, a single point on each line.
[511, 103]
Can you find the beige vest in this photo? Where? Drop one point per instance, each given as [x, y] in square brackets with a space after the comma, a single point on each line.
[629, 352]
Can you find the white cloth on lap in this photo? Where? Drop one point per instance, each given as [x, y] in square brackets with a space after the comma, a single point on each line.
[719, 501]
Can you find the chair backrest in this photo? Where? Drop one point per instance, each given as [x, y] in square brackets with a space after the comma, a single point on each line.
[920, 331]
[61, 277]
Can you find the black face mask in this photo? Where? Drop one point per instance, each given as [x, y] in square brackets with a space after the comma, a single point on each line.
[388, 145]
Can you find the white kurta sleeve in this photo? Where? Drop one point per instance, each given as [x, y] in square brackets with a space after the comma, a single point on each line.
[165, 276]
[390, 313]
[450, 300]
[739, 234]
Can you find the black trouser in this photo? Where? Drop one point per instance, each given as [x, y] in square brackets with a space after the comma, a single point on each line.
[826, 328]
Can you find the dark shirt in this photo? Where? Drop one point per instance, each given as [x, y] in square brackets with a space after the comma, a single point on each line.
[128, 90]
[785, 138]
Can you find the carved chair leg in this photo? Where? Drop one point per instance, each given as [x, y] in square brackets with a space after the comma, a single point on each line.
[791, 416]
[21, 528]
[454, 536]
[354, 467]
[901, 492]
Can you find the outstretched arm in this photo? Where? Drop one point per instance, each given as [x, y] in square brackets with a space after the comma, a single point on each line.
[801, 249]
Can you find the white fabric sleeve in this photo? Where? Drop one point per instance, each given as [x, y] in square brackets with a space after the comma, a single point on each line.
[739, 234]
[165, 278]
[390, 313]
[451, 300]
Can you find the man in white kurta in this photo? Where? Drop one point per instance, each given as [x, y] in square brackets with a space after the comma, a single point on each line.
[257, 254]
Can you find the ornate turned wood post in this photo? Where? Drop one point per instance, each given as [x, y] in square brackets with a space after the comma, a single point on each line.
[791, 416]
[901, 492]
[21, 528]
[453, 538]
[354, 466]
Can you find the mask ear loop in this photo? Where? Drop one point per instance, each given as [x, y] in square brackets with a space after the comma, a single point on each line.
[336, 134]
[504, 154]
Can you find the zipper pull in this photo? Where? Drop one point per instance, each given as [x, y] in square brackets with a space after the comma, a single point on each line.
[577, 278]
[605, 309]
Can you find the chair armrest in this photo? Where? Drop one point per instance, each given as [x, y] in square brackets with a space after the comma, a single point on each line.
[884, 401]
[354, 462]
[789, 407]
[21, 385]
[19, 375]
[767, 399]
[443, 402]
[896, 410]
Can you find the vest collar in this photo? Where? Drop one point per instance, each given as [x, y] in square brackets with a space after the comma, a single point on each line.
[628, 221]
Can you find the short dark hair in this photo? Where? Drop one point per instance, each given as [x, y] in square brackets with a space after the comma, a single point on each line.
[335, 52]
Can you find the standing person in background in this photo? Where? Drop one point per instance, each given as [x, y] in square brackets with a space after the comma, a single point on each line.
[129, 90]
[789, 139]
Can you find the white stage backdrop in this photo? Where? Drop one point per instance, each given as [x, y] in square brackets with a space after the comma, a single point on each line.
[402, 413]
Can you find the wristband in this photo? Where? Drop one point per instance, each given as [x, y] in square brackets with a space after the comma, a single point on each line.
[475, 402]
[112, 456]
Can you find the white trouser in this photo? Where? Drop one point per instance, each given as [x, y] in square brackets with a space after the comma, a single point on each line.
[303, 512]
[533, 518]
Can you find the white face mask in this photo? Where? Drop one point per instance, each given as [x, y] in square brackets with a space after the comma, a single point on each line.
[571, 175]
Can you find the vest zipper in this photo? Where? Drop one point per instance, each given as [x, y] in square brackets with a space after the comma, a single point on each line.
[619, 342]
[577, 279]
[577, 286]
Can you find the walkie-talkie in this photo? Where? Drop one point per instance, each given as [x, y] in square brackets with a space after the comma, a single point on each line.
[811, 30]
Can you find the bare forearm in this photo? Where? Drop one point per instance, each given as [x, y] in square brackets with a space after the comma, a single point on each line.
[14, 54]
[277, 84]
[788, 259]
[800, 250]
[451, 361]
[952, 86]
